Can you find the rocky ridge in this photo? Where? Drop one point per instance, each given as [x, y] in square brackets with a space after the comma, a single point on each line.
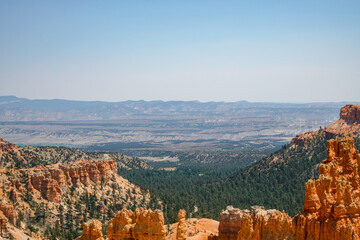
[29, 156]
[347, 125]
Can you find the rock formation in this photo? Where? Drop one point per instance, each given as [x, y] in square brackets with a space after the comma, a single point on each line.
[181, 227]
[92, 230]
[9, 211]
[4, 232]
[50, 179]
[236, 224]
[332, 202]
[331, 205]
[142, 224]
[347, 125]
[8, 149]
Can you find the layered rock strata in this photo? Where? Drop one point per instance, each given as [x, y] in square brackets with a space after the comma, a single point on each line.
[142, 224]
[182, 226]
[50, 179]
[92, 230]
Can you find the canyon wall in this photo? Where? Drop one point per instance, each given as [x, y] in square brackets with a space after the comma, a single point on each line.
[50, 179]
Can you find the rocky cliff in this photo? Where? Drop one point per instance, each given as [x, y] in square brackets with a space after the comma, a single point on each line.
[331, 205]
[347, 125]
[332, 202]
[142, 224]
[50, 179]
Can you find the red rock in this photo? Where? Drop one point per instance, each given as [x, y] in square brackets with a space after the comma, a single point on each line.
[332, 202]
[331, 205]
[92, 230]
[9, 212]
[50, 179]
[350, 114]
[347, 125]
[142, 224]
[236, 224]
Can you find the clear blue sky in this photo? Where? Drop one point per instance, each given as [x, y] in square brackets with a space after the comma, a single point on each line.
[278, 51]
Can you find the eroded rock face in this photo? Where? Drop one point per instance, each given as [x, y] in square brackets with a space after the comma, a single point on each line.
[236, 224]
[92, 230]
[9, 212]
[332, 202]
[350, 114]
[181, 227]
[142, 224]
[347, 125]
[50, 179]
[331, 205]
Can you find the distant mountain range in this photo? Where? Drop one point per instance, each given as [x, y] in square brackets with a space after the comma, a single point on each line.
[21, 109]
[173, 125]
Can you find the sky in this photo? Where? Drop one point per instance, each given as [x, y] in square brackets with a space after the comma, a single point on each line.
[259, 51]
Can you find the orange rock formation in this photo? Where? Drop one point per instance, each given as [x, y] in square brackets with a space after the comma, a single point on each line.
[236, 224]
[50, 179]
[182, 226]
[347, 125]
[142, 224]
[9, 211]
[92, 230]
[331, 205]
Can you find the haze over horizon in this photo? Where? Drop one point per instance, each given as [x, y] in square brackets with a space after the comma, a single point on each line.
[200, 50]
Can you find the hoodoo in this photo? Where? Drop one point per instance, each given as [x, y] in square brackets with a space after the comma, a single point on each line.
[331, 205]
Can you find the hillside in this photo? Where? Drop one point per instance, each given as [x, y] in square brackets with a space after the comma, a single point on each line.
[48, 192]
[276, 181]
[12, 155]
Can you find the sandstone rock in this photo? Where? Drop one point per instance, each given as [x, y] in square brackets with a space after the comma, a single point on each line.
[181, 227]
[9, 211]
[142, 224]
[347, 125]
[331, 205]
[14, 196]
[4, 232]
[302, 139]
[11, 149]
[92, 230]
[236, 224]
[50, 179]
[350, 114]
[332, 202]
